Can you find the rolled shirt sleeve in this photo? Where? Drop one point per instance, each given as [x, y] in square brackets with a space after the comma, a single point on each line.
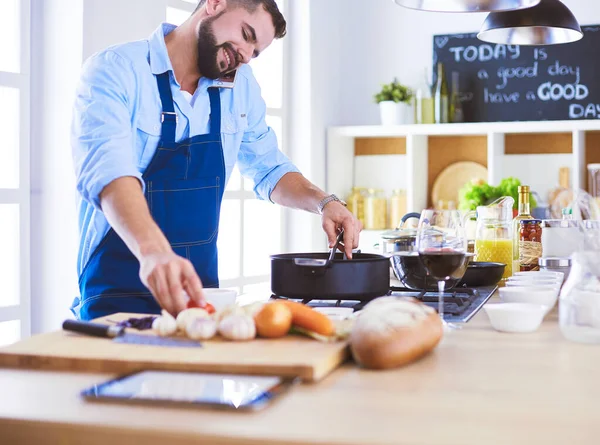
[102, 136]
[260, 158]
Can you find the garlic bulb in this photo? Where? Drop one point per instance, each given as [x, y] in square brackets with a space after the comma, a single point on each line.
[201, 328]
[237, 327]
[164, 325]
[232, 309]
[185, 316]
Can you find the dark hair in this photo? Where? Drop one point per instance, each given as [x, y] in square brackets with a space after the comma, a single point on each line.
[269, 5]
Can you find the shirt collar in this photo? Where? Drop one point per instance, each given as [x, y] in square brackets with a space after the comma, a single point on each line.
[159, 57]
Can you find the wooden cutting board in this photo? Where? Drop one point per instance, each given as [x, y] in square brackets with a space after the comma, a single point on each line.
[293, 355]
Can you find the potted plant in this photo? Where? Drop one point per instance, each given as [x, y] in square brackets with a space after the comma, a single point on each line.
[394, 101]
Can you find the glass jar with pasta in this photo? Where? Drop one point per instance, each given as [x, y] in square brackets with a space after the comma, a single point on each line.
[356, 203]
[375, 210]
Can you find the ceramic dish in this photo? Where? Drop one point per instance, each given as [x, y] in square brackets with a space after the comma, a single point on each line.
[540, 281]
[542, 296]
[539, 274]
[515, 317]
[220, 298]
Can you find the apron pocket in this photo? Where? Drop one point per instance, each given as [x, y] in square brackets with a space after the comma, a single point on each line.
[186, 210]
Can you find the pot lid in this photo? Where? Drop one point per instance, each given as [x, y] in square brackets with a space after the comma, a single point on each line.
[399, 234]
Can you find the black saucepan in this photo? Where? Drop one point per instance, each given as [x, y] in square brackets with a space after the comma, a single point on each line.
[330, 275]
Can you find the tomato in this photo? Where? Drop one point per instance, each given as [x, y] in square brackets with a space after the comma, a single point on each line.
[204, 305]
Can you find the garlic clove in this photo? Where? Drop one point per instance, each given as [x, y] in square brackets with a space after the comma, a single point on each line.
[186, 315]
[237, 327]
[164, 325]
[201, 328]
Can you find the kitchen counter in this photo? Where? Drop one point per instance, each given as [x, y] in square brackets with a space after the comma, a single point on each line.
[478, 387]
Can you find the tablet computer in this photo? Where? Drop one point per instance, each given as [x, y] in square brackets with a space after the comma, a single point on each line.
[227, 391]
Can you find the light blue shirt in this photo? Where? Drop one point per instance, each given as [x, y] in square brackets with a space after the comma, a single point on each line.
[116, 127]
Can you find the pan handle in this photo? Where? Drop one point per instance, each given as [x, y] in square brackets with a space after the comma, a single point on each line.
[312, 262]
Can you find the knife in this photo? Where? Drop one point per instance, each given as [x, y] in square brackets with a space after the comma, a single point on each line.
[119, 335]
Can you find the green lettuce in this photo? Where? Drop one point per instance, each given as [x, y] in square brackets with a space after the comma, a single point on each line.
[479, 193]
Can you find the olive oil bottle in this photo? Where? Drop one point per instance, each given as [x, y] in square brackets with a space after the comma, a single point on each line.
[524, 213]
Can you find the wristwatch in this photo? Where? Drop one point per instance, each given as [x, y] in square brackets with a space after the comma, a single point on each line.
[327, 200]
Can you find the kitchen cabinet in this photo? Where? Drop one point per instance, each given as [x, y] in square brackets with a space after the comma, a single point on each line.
[427, 149]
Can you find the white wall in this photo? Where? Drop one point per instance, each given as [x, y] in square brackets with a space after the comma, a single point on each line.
[108, 22]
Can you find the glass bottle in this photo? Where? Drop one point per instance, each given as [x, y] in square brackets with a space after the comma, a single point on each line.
[524, 213]
[424, 104]
[530, 245]
[441, 96]
[456, 109]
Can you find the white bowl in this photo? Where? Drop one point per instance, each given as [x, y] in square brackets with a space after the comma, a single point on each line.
[540, 274]
[541, 296]
[515, 317]
[533, 283]
[220, 298]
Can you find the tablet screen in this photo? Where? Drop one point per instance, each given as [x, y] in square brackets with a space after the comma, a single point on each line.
[232, 391]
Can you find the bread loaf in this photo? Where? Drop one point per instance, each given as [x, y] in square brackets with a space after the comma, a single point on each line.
[394, 331]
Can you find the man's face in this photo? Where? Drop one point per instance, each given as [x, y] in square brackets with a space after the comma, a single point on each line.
[231, 38]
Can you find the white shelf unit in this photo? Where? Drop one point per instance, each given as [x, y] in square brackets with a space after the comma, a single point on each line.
[341, 150]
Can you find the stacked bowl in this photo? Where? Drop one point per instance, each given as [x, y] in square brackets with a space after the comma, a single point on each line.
[526, 299]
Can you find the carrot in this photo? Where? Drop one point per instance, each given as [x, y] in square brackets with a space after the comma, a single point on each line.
[307, 318]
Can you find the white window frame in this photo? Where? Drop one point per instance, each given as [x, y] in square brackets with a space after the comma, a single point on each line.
[242, 195]
[21, 195]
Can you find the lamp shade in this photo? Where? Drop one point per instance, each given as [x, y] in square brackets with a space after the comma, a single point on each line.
[548, 23]
[466, 5]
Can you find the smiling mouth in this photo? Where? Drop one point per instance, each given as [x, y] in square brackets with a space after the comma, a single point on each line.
[230, 58]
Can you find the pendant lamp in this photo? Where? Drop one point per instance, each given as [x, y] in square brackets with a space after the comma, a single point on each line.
[548, 23]
[466, 5]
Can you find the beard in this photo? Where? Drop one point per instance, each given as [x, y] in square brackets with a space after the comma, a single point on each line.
[208, 50]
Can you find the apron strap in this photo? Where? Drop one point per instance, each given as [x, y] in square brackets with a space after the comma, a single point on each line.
[168, 116]
[215, 110]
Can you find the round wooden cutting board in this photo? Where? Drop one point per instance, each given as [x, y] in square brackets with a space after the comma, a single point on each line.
[453, 178]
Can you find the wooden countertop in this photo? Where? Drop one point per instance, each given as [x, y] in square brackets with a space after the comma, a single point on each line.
[478, 387]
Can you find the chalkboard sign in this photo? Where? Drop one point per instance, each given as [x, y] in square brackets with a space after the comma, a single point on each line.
[523, 83]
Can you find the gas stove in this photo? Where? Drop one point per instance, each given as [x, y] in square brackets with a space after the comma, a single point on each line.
[460, 304]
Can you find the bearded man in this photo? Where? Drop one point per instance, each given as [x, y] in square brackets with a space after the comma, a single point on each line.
[158, 126]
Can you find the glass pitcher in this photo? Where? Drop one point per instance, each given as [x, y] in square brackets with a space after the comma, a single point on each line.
[493, 234]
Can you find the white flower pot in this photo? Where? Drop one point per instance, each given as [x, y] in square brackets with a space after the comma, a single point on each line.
[393, 113]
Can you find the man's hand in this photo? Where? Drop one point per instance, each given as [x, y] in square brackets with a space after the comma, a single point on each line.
[295, 191]
[168, 275]
[335, 217]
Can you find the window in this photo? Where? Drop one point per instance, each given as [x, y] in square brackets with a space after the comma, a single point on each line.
[15, 315]
[250, 229]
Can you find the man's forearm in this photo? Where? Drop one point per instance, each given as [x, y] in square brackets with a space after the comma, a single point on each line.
[126, 210]
[295, 191]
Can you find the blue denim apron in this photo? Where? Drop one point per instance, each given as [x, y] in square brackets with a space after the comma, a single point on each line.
[184, 188]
